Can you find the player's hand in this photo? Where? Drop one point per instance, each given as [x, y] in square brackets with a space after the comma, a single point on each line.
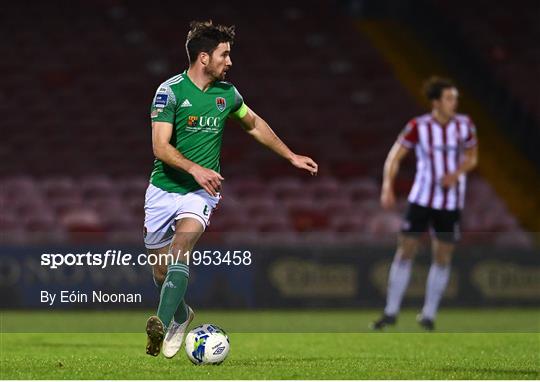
[388, 198]
[305, 163]
[208, 179]
[449, 180]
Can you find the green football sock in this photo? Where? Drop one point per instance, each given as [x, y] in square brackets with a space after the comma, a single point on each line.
[182, 312]
[172, 292]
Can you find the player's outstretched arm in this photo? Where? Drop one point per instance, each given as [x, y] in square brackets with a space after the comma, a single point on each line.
[208, 179]
[261, 131]
[391, 168]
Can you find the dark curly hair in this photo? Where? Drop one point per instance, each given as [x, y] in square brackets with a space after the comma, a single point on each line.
[433, 87]
[204, 36]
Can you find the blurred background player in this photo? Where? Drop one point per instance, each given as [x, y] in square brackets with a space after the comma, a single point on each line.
[445, 145]
[188, 115]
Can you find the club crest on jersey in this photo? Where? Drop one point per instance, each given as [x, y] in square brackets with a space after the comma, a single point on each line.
[221, 103]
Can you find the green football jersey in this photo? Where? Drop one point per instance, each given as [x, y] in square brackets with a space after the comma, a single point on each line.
[198, 119]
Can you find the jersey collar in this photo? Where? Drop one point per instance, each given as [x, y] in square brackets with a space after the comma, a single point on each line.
[195, 86]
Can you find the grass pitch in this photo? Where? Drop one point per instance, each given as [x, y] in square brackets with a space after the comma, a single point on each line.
[510, 351]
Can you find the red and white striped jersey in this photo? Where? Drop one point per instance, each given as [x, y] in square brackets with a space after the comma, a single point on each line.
[439, 150]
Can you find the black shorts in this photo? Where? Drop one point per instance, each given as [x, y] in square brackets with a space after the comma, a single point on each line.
[444, 224]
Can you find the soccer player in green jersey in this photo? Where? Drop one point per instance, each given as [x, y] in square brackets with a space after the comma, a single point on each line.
[188, 116]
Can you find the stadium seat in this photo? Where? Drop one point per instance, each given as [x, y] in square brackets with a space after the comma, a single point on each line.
[99, 183]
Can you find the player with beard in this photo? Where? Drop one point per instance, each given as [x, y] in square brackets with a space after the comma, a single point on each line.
[188, 115]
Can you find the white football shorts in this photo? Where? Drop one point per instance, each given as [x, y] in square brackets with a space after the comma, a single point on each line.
[162, 209]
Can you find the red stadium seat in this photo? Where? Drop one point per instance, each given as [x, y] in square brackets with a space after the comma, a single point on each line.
[91, 167]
